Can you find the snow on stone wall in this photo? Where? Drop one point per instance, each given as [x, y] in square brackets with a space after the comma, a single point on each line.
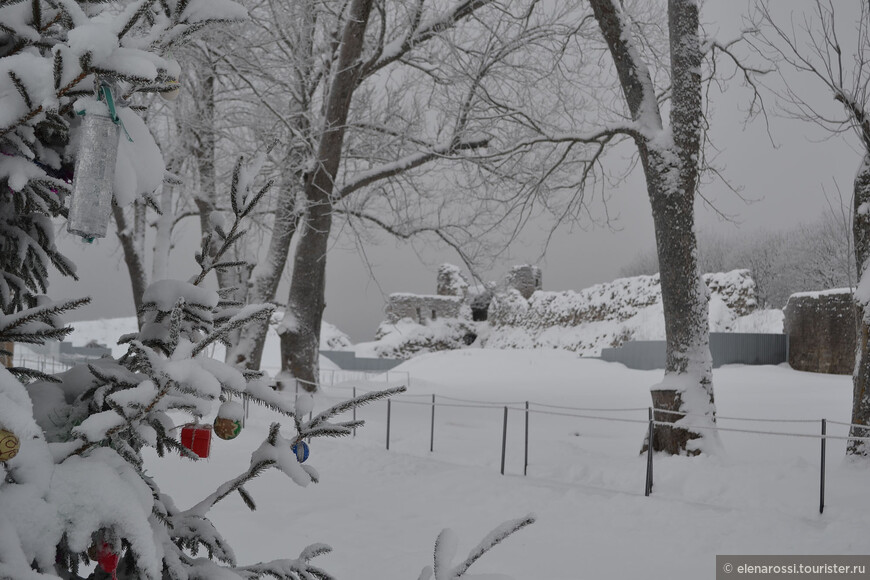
[422, 308]
[602, 316]
[525, 279]
[451, 282]
[406, 338]
[606, 315]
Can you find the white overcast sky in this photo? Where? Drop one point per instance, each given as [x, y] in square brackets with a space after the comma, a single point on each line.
[785, 183]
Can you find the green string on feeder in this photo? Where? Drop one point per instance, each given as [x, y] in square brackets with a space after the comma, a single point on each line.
[105, 94]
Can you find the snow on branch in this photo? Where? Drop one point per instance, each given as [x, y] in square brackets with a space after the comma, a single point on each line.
[634, 75]
[406, 164]
[420, 32]
[446, 546]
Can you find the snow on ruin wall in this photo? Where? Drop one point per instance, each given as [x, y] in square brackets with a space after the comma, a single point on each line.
[422, 308]
[609, 314]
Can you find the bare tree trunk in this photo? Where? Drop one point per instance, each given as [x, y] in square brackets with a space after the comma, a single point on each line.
[861, 378]
[248, 351]
[131, 235]
[300, 336]
[671, 169]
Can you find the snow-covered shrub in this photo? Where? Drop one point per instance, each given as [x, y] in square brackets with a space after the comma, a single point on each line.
[333, 338]
[407, 338]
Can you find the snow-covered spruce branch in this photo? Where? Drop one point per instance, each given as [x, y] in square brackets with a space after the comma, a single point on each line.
[319, 426]
[446, 545]
[242, 204]
[37, 324]
[246, 315]
[261, 393]
[33, 112]
[275, 451]
[127, 422]
[298, 569]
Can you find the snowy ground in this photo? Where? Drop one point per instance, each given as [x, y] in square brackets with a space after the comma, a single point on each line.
[381, 510]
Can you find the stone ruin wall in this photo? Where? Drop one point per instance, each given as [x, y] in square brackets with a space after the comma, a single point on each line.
[821, 330]
[452, 295]
[525, 279]
[422, 308]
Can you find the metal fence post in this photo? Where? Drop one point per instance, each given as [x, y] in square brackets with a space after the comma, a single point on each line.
[526, 454]
[822, 482]
[504, 440]
[649, 457]
[432, 427]
[389, 405]
[354, 411]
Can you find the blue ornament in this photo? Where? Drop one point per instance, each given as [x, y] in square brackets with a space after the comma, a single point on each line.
[301, 454]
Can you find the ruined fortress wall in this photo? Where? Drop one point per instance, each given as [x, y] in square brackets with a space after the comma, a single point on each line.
[423, 308]
[821, 329]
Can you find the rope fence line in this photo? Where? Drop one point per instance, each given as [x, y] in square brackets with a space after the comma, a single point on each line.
[763, 420]
[757, 432]
[558, 414]
[491, 403]
[626, 409]
[516, 406]
[455, 405]
[558, 410]
[832, 422]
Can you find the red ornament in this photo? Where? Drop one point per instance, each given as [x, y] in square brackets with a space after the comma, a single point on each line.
[197, 438]
[105, 557]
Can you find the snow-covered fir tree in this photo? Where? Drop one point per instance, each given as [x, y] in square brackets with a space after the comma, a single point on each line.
[74, 488]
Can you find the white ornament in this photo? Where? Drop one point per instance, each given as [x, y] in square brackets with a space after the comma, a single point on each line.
[171, 94]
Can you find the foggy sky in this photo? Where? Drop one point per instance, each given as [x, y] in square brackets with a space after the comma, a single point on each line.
[783, 183]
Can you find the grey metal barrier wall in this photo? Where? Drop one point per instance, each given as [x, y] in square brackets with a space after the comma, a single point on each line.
[347, 360]
[726, 348]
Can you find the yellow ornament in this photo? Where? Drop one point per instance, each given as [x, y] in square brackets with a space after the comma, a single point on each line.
[9, 445]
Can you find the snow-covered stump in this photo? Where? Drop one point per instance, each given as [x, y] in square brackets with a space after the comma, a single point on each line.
[861, 376]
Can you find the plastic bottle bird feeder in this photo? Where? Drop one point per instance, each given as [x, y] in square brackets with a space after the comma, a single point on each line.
[197, 438]
[94, 177]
